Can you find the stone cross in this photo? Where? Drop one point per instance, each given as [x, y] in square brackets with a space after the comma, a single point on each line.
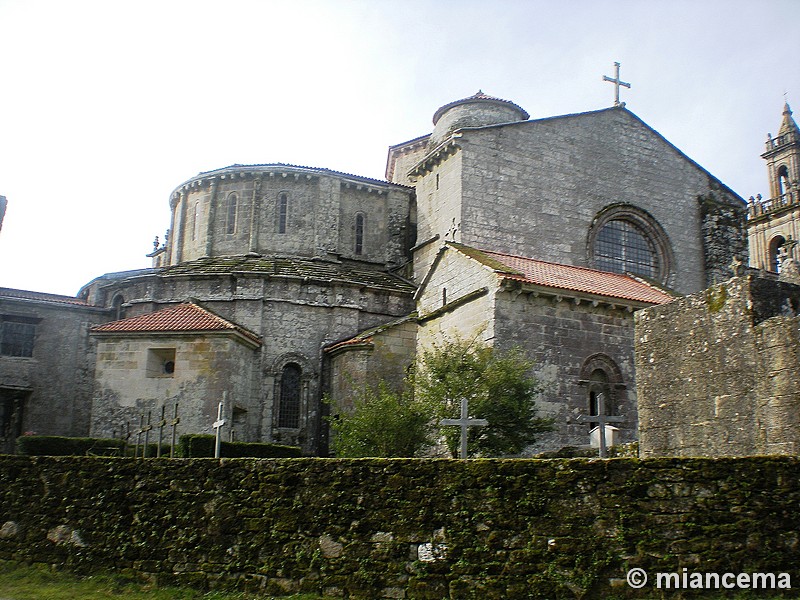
[617, 82]
[465, 423]
[602, 419]
[218, 425]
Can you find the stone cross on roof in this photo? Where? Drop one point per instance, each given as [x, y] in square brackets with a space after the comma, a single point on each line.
[617, 82]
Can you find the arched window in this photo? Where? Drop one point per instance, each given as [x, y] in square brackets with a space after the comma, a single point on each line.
[289, 408]
[775, 253]
[282, 212]
[783, 180]
[359, 249]
[116, 307]
[230, 220]
[196, 221]
[625, 239]
[599, 397]
[602, 378]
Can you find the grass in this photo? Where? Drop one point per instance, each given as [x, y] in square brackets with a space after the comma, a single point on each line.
[18, 582]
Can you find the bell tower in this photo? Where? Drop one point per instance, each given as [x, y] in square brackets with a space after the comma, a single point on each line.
[776, 220]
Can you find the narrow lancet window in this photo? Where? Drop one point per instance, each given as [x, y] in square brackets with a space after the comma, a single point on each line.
[289, 409]
[359, 249]
[283, 212]
[230, 224]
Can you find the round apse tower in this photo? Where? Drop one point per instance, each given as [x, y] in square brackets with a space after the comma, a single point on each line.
[475, 111]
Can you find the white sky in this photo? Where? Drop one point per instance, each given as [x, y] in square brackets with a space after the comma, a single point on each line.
[107, 106]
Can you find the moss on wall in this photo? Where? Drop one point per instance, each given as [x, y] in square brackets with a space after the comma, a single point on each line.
[403, 528]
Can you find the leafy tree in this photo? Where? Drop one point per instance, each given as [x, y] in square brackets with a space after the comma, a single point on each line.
[384, 423]
[498, 387]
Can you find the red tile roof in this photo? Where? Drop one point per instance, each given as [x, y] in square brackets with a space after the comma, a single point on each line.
[186, 317]
[567, 277]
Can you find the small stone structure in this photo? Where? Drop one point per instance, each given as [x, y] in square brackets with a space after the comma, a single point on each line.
[718, 372]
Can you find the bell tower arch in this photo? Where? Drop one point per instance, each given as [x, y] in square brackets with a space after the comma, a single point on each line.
[776, 219]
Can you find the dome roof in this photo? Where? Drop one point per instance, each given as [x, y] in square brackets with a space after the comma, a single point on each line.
[481, 98]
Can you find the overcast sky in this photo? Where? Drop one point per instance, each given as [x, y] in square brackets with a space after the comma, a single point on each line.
[107, 106]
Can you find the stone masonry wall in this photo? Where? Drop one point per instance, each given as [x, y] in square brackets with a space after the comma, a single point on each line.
[404, 528]
[207, 369]
[534, 188]
[59, 374]
[718, 372]
[560, 336]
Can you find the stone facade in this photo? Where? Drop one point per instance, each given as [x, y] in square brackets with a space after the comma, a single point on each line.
[46, 377]
[344, 278]
[542, 188]
[130, 381]
[718, 372]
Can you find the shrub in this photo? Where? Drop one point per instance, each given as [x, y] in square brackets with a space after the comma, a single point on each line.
[202, 445]
[45, 445]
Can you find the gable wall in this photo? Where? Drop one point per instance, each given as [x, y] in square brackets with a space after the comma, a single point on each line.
[534, 189]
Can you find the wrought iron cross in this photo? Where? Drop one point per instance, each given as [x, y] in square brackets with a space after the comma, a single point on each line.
[617, 82]
[161, 424]
[174, 425]
[465, 423]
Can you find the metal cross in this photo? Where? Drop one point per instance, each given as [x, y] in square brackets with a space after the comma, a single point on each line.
[465, 423]
[218, 425]
[602, 419]
[174, 424]
[146, 429]
[617, 82]
[161, 424]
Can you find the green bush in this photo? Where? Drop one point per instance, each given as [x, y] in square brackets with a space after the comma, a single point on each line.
[45, 445]
[202, 445]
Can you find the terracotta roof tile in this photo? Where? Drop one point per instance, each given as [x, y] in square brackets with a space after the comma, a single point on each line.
[567, 277]
[41, 297]
[186, 317]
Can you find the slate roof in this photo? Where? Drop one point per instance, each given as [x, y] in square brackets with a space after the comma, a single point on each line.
[294, 268]
[567, 277]
[41, 297]
[181, 318]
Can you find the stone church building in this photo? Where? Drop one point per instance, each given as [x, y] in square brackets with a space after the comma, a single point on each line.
[278, 284]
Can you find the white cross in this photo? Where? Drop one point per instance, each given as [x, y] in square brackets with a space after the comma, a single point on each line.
[601, 418]
[617, 82]
[465, 423]
[218, 424]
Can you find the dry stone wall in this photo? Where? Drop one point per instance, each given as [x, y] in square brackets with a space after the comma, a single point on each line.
[717, 371]
[404, 528]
